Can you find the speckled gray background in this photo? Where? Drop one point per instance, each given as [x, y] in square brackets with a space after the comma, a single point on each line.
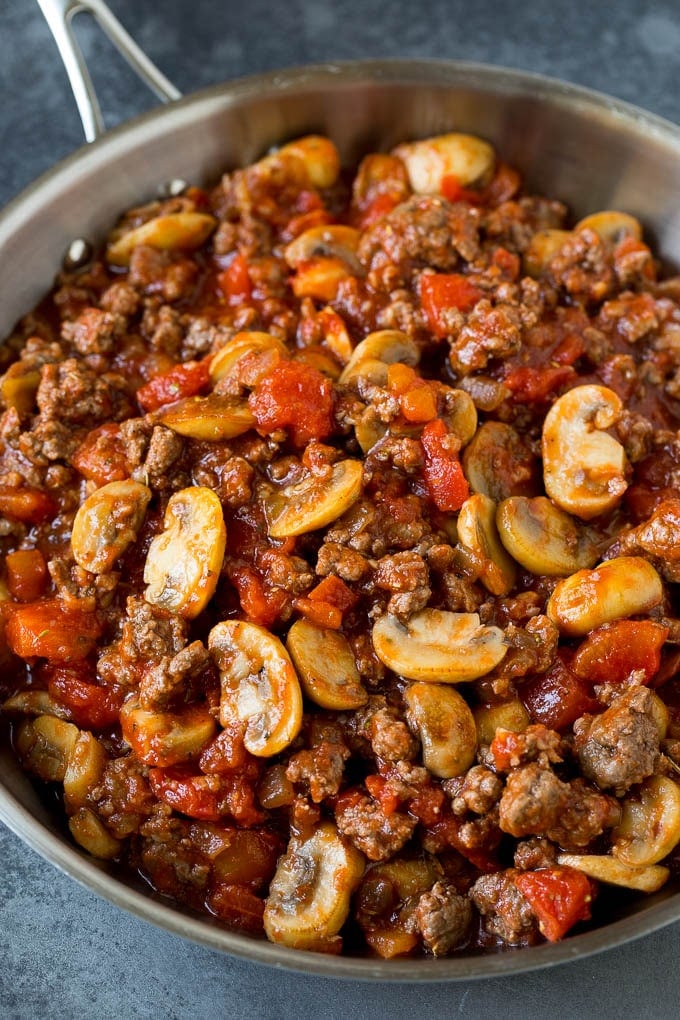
[64, 953]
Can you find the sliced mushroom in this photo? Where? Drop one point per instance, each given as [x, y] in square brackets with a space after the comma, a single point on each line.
[212, 418]
[166, 738]
[446, 727]
[498, 464]
[618, 588]
[329, 241]
[650, 825]
[608, 869]
[107, 523]
[18, 387]
[90, 832]
[387, 346]
[260, 688]
[182, 231]
[45, 745]
[249, 342]
[611, 226]
[326, 666]
[314, 502]
[460, 415]
[544, 539]
[477, 531]
[583, 466]
[33, 702]
[309, 896]
[84, 770]
[506, 715]
[469, 160]
[183, 563]
[320, 157]
[542, 248]
[438, 646]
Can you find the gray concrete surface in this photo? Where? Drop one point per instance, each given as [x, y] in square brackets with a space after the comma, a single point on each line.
[64, 953]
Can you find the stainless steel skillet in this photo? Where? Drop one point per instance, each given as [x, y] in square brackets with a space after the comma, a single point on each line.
[591, 151]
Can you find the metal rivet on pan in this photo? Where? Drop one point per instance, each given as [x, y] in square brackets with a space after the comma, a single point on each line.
[78, 254]
[172, 188]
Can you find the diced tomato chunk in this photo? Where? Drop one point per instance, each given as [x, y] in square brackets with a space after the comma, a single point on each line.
[323, 614]
[380, 790]
[186, 791]
[226, 753]
[238, 906]
[559, 896]
[32, 506]
[52, 630]
[530, 385]
[440, 291]
[27, 576]
[428, 804]
[557, 698]
[334, 591]
[89, 705]
[234, 282]
[296, 397]
[184, 380]
[260, 602]
[616, 651]
[101, 456]
[442, 470]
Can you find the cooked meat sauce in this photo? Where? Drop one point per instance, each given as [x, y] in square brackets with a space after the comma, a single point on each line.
[340, 524]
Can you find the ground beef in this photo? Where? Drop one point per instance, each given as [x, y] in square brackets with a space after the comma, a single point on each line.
[121, 299]
[49, 440]
[620, 747]
[505, 911]
[148, 635]
[152, 451]
[160, 272]
[535, 743]
[424, 230]
[390, 737]
[534, 854]
[94, 331]
[74, 394]
[342, 561]
[406, 576]
[582, 267]
[376, 834]
[169, 678]
[490, 331]
[536, 802]
[444, 919]
[122, 798]
[165, 330]
[658, 538]
[320, 769]
[477, 791]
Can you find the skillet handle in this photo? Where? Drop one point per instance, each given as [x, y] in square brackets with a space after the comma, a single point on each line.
[59, 14]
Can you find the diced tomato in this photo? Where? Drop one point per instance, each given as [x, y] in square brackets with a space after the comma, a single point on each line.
[442, 470]
[298, 224]
[428, 804]
[503, 185]
[234, 282]
[616, 651]
[508, 263]
[557, 698]
[416, 397]
[504, 749]
[380, 790]
[261, 603]
[27, 576]
[453, 191]
[444, 834]
[32, 506]
[323, 614]
[52, 630]
[89, 705]
[334, 591]
[184, 380]
[226, 753]
[186, 791]
[296, 397]
[101, 456]
[440, 291]
[380, 206]
[559, 896]
[238, 906]
[530, 385]
[568, 350]
[207, 797]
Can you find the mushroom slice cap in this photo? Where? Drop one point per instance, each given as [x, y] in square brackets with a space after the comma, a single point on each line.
[183, 231]
[260, 689]
[438, 646]
[608, 869]
[326, 666]
[314, 502]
